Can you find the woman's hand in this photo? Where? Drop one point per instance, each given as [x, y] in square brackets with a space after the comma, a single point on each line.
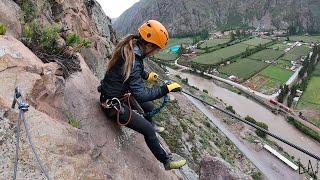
[174, 87]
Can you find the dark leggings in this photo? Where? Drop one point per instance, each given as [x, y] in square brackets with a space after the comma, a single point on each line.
[143, 126]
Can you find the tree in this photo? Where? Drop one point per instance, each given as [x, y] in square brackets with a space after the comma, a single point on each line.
[232, 36]
[238, 33]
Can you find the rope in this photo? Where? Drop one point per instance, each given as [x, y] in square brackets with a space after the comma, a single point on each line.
[17, 147]
[23, 107]
[157, 110]
[127, 97]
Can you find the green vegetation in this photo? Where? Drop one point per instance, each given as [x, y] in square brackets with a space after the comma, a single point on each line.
[48, 45]
[256, 42]
[279, 46]
[230, 108]
[308, 39]
[300, 50]
[221, 55]
[296, 53]
[240, 49]
[75, 123]
[257, 176]
[243, 68]
[267, 54]
[277, 73]
[178, 41]
[74, 40]
[3, 29]
[313, 134]
[312, 95]
[213, 42]
[260, 124]
[29, 10]
[166, 56]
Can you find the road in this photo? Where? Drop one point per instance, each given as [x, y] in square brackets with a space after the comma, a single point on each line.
[270, 166]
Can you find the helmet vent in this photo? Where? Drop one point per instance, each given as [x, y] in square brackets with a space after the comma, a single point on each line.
[148, 24]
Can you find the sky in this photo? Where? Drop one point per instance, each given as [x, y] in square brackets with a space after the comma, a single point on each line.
[114, 8]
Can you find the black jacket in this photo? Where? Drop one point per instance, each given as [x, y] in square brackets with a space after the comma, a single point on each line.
[113, 84]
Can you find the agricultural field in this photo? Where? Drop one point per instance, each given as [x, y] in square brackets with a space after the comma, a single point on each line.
[309, 103]
[178, 41]
[243, 68]
[301, 50]
[284, 64]
[266, 55]
[256, 41]
[296, 53]
[269, 80]
[277, 73]
[307, 39]
[213, 42]
[166, 55]
[221, 55]
[279, 46]
[263, 84]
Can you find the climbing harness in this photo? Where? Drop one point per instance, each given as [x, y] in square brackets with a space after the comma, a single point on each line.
[116, 104]
[23, 107]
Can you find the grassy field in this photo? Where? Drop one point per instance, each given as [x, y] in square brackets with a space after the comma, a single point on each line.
[221, 55]
[309, 103]
[256, 41]
[214, 42]
[283, 64]
[290, 57]
[308, 39]
[166, 56]
[301, 50]
[312, 95]
[243, 68]
[296, 53]
[277, 73]
[279, 46]
[178, 41]
[267, 54]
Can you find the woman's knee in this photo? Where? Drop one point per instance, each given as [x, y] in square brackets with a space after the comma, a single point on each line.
[147, 106]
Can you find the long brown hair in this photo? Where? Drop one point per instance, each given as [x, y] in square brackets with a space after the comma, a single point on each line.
[125, 48]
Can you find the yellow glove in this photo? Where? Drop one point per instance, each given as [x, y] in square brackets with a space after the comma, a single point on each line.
[174, 87]
[152, 76]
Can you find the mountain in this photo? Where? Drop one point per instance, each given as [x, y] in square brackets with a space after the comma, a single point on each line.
[188, 16]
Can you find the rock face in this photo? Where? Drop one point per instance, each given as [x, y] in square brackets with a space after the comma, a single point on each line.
[84, 17]
[187, 16]
[213, 168]
[9, 12]
[98, 150]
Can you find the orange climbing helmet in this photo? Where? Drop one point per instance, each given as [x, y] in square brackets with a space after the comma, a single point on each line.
[154, 32]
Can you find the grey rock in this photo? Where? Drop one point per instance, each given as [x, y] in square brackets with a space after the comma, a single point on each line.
[214, 168]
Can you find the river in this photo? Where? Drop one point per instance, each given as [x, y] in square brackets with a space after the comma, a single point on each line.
[244, 106]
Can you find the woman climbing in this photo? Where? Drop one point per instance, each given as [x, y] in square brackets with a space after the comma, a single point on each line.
[124, 81]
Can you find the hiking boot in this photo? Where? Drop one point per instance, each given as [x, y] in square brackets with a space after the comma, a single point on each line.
[158, 129]
[171, 164]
